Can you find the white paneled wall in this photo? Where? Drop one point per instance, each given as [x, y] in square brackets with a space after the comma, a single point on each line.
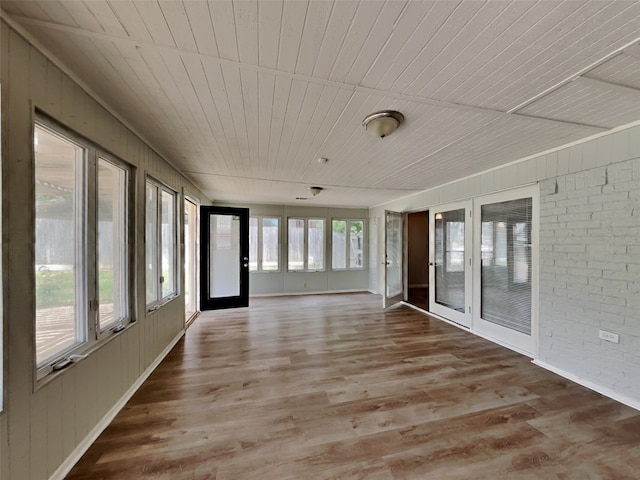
[589, 256]
[45, 423]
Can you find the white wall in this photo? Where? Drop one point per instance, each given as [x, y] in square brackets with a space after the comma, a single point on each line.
[284, 282]
[589, 256]
[43, 424]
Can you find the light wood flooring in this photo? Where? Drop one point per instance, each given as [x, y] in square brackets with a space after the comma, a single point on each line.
[332, 387]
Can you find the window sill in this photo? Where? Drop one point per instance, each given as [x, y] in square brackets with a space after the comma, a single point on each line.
[154, 307]
[47, 374]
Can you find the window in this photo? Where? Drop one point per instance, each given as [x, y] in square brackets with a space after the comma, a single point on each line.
[81, 246]
[347, 244]
[264, 244]
[306, 244]
[161, 241]
[112, 245]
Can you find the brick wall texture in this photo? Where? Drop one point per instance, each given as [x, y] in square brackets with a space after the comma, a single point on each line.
[590, 274]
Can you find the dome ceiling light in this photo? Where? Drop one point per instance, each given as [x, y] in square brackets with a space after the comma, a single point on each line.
[315, 190]
[382, 123]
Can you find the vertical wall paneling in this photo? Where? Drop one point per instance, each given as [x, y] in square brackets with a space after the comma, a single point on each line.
[50, 422]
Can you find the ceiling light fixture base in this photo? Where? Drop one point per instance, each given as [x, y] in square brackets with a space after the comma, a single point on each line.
[383, 123]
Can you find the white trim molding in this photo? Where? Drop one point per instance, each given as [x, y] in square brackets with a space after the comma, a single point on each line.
[607, 392]
[66, 466]
[322, 292]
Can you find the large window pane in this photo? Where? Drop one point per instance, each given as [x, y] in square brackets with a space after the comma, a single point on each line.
[338, 244]
[356, 244]
[296, 244]
[151, 242]
[112, 244]
[59, 251]
[253, 244]
[506, 279]
[316, 244]
[168, 234]
[270, 244]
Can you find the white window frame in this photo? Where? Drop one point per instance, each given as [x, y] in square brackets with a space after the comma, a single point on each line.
[349, 221]
[87, 251]
[306, 245]
[259, 242]
[161, 300]
[522, 343]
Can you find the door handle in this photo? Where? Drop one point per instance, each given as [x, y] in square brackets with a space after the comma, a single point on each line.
[245, 264]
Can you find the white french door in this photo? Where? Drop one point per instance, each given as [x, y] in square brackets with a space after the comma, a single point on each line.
[450, 245]
[191, 263]
[393, 261]
[505, 268]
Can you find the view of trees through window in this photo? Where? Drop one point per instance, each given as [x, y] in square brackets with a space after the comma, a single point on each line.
[347, 244]
[160, 243]
[264, 244]
[306, 244]
[81, 280]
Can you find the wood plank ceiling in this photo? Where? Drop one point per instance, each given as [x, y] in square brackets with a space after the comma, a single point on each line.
[245, 96]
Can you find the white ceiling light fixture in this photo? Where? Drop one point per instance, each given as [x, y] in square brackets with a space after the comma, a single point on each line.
[315, 190]
[382, 123]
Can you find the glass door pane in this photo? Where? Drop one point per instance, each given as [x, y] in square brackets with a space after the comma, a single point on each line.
[506, 264]
[449, 287]
[224, 247]
[224, 269]
[505, 279]
[449, 264]
[190, 259]
[393, 259]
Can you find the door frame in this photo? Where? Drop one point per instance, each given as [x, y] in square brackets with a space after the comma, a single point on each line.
[196, 254]
[241, 300]
[465, 318]
[526, 344]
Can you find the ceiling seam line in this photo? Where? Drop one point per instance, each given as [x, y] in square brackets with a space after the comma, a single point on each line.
[578, 74]
[291, 76]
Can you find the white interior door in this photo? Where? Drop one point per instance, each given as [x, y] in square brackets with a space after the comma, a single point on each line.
[393, 284]
[505, 273]
[191, 248]
[450, 278]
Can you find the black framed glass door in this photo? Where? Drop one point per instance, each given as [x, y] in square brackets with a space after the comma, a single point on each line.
[224, 272]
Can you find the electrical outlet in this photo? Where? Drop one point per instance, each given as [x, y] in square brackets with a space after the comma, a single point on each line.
[609, 336]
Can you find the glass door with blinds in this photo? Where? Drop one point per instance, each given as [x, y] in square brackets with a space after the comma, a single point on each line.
[450, 262]
[504, 273]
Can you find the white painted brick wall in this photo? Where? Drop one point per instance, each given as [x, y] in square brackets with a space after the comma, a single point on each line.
[590, 272]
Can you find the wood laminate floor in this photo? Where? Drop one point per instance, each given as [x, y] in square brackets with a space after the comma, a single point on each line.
[332, 387]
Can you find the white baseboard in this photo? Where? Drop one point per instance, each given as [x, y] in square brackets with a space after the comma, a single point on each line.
[470, 330]
[607, 392]
[322, 292]
[66, 466]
